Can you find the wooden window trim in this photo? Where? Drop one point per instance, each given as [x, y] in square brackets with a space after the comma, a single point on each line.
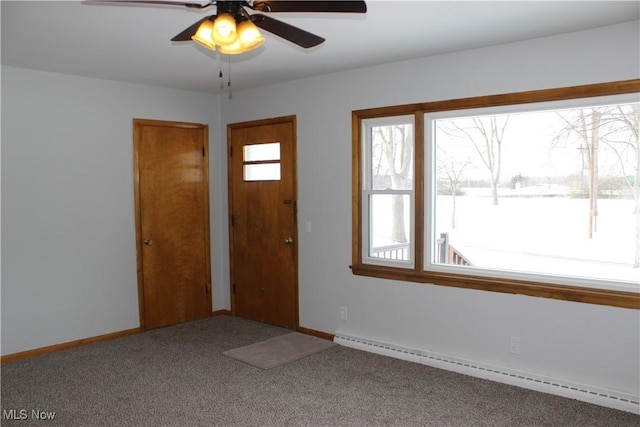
[537, 289]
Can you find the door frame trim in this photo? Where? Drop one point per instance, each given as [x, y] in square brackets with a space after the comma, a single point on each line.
[255, 123]
[137, 128]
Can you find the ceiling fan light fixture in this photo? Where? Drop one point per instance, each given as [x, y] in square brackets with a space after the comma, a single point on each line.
[224, 30]
[249, 35]
[203, 35]
[232, 49]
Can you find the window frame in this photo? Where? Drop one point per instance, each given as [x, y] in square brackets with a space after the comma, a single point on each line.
[368, 191]
[493, 283]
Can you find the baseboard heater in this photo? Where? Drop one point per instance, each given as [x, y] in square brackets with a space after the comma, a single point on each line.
[545, 384]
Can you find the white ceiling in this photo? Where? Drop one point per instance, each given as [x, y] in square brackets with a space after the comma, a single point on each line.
[132, 42]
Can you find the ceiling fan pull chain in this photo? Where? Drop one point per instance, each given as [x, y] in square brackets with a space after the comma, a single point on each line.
[220, 72]
[229, 77]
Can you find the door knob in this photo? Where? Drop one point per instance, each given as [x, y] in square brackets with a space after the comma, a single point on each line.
[288, 240]
[148, 242]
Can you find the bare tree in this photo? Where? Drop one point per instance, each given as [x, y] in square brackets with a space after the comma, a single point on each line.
[616, 128]
[451, 170]
[624, 139]
[586, 123]
[397, 152]
[485, 134]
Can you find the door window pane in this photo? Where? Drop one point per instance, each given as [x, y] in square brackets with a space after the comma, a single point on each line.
[262, 172]
[262, 152]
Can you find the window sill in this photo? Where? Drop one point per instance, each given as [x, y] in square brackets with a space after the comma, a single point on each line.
[544, 290]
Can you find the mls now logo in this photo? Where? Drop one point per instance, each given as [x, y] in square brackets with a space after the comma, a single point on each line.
[23, 414]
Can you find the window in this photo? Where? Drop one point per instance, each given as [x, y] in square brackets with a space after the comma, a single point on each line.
[535, 193]
[261, 162]
[388, 190]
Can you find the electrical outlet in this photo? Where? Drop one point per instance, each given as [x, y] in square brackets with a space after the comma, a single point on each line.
[343, 314]
[515, 345]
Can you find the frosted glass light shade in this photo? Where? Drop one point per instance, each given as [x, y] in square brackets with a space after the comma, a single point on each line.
[249, 36]
[232, 49]
[203, 35]
[224, 30]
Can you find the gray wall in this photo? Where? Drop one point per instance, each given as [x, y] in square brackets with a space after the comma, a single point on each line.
[68, 219]
[585, 343]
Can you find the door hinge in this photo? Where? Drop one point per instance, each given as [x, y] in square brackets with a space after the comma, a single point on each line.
[231, 151]
[294, 204]
[207, 288]
[203, 154]
[232, 221]
[234, 288]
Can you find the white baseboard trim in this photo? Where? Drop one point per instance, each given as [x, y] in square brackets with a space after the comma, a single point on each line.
[586, 393]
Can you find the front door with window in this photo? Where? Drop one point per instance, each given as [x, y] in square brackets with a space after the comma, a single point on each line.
[263, 238]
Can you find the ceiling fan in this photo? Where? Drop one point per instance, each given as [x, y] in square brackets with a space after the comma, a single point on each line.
[234, 30]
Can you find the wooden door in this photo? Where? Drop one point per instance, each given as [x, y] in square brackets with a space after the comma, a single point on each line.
[172, 221]
[263, 238]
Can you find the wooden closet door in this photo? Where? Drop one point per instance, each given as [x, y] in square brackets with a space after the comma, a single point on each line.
[172, 206]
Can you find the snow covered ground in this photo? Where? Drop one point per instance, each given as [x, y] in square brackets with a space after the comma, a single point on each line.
[532, 231]
[543, 235]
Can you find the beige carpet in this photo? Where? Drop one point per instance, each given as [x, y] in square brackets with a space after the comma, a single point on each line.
[279, 350]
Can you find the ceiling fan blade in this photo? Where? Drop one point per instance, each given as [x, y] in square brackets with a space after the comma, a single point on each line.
[295, 35]
[159, 2]
[186, 34]
[310, 6]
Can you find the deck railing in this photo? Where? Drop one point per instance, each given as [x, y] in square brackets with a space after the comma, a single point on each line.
[447, 253]
[398, 251]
